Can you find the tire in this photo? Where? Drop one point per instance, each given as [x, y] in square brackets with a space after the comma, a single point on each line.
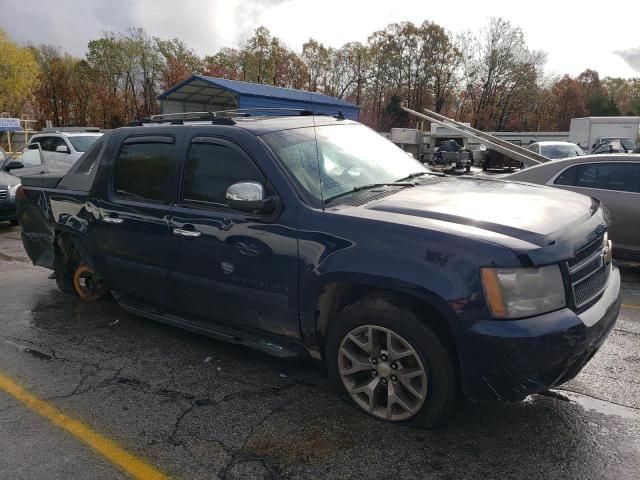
[484, 166]
[380, 317]
[75, 275]
[467, 168]
[14, 223]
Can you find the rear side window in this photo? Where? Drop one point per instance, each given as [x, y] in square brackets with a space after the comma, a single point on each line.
[623, 177]
[45, 143]
[212, 168]
[143, 171]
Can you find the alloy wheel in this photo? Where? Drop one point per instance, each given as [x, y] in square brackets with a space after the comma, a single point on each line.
[382, 372]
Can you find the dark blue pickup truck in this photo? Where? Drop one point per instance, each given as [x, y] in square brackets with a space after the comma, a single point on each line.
[313, 235]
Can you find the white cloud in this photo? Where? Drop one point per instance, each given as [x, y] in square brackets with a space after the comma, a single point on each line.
[574, 36]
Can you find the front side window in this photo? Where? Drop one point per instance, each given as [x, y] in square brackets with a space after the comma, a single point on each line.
[30, 157]
[328, 161]
[57, 142]
[144, 171]
[211, 169]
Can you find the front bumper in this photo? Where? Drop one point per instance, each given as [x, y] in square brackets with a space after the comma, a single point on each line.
[7, 212]
[509, 360]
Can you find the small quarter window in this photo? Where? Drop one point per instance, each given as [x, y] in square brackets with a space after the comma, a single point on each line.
[568, 177]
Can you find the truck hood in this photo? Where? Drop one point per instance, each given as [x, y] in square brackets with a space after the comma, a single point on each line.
[509, 213]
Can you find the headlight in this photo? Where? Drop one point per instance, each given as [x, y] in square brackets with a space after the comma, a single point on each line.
[523, 292]
[12, 191]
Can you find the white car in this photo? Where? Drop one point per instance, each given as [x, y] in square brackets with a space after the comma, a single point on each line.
[65, 147]
[555, 150]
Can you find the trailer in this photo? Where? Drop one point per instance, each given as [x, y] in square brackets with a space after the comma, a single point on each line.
[511, 153]
[586, 132]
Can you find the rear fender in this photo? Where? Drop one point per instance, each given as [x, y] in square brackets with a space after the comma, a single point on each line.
[38, 232]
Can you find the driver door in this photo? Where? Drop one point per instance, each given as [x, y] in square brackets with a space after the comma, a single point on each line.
[231, 266]
[30, 156]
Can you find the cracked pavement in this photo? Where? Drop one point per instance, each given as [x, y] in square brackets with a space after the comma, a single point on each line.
[196, 408]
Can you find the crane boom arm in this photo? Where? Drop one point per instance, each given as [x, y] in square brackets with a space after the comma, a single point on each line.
[513, 151]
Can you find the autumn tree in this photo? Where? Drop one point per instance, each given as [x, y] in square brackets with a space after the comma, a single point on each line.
[226, 63]
[18, 75]
[316, 58]
[568, 101]
[180, 62]
[597, 100]
[500, 73]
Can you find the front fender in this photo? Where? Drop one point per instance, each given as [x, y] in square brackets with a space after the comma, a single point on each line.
[440, 267]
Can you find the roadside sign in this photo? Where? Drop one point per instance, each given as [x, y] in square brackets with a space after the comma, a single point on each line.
[9, 124]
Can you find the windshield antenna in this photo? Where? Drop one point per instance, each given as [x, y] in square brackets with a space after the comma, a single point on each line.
[315, 136]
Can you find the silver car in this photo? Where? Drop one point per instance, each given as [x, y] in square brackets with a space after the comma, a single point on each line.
[555, 150]
[64, 147]
[31, 160]
[613, 179]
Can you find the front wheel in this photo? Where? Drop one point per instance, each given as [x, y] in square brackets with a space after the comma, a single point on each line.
[390, 364]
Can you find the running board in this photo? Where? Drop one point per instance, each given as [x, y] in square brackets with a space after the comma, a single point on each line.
[228, 334]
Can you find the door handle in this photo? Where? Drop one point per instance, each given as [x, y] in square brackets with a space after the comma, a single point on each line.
[186, 233]
[112, 220]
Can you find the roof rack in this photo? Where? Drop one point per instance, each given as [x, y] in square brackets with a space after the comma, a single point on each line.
[220, 117]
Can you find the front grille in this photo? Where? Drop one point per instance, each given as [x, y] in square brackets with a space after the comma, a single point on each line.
[585, 252]
[588, 289]
[588, 273]
[3, 194]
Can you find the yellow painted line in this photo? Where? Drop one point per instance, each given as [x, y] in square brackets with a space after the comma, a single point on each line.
[633, 307]
[134, 466]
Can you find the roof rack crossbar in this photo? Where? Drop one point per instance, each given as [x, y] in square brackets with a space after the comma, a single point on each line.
[164, 117]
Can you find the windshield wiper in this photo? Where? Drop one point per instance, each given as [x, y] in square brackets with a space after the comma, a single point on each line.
[414, 175]
[366, 187]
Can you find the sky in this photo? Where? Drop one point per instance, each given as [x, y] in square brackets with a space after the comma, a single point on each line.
[575, 34]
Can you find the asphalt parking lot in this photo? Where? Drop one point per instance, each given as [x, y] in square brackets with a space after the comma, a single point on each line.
[185, 406]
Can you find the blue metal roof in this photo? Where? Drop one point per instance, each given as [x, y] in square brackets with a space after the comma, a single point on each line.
[265, 91]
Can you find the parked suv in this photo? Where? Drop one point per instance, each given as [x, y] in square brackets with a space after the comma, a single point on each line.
[65, 147]
[313, 235]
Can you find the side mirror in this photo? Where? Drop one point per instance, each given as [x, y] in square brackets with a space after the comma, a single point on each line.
[249, 197]
[13, 165]
[62, 149]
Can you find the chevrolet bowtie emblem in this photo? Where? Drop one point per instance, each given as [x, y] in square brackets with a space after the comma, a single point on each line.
[607, 254]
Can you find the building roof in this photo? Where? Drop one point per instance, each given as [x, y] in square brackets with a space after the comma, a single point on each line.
[265, 91]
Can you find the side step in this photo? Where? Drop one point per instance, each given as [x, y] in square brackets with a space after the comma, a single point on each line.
[268, 345]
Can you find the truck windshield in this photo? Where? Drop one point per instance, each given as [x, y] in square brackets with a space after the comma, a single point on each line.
[347, 157]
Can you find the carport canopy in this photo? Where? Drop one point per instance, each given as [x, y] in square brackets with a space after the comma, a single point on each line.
[199, 93]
